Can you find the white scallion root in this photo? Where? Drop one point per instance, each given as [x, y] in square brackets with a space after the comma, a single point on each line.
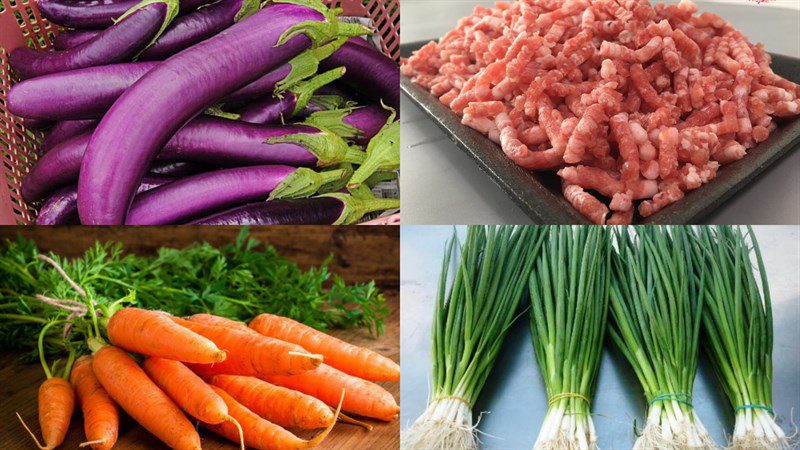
[445, 425]
[669, 427]
[562, 430]
[756, 429]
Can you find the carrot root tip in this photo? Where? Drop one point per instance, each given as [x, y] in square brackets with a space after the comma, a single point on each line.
[313, 356]
[344, 418]
[87, 443]
[41, 447]
[238, 427]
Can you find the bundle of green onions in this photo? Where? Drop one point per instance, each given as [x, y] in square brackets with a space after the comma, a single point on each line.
[656, 313]
[737, 320]
[469, 325]
[569, 302]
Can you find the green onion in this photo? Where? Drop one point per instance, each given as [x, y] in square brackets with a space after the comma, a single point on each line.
[473, 312]
[737, 321]
[656, 313]
[569, 302]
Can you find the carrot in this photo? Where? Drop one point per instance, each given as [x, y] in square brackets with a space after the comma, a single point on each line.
[284, 407]
[363, 397]
[261, 433]
[253, 354]
[189, 391]
[217, 321]
[56, 403]
[56, 399]
[153, 333]
[350, 359]
[100, 413]
[131, 388]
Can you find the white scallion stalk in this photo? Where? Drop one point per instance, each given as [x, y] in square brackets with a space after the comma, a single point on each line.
[473, 313]
[656, 310]
[569, 303]
[737, 324]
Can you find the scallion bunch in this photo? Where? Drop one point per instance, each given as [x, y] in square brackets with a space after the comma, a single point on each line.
[473, 312]
[656, 313]
[569, 303]
[737, 321]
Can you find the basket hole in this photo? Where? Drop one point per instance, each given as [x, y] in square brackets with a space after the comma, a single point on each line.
[18, 15]
[31, 16]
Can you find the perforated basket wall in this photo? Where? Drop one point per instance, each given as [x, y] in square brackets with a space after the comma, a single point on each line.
[21, 24]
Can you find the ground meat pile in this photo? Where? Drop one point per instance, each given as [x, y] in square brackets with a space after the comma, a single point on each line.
[632, 104]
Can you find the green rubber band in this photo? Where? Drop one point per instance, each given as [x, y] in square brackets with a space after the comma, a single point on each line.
[755, 406]
[680, 397]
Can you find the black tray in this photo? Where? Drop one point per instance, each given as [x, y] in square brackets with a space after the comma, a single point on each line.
[538, 194]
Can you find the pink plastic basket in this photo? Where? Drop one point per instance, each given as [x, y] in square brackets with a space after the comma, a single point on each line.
[21, 24]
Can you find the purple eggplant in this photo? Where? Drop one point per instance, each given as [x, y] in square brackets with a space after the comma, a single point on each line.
[146, 115]
[206, 140]
[284, 76]
[96, 14]
[178, 169]
[369, 71]
[62, 207]
[75, 94]
[290, 103]
[200, 25]
[35, 124]
[329, 209]
[225, 142]
[357, 124]
[135, 30]
[200, 195]
[73, 38]
[62, 131]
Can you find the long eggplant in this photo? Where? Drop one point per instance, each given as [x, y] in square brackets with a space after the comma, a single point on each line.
[146, 115]
[62, 207]
[205, 140]
[200, 25]
[200, 195]
[136, 30]
[368, 71]
[72, 38]
[89, 92]
[76, 94]
[62, 131]
[290, 103]
[329, 209]
[96, 14]
[357, 124]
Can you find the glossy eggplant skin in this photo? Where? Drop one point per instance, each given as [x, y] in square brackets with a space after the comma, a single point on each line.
[62, 207]
[305, 211]
[95, 14]
[200, 195]
[118, 43]
[368, 71]
[144, 118]
[79, 94]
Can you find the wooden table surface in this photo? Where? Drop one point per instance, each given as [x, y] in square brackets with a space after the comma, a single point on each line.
[19, 383]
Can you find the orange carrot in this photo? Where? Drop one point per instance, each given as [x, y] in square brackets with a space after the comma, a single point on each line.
[217, 321]
[350, 359]
[131, 388]
[100, 413]
[284, 407]
[188, 390]
[153, 333]
[260, 433]
[253, 354]
[56, 404]
[363, 397]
